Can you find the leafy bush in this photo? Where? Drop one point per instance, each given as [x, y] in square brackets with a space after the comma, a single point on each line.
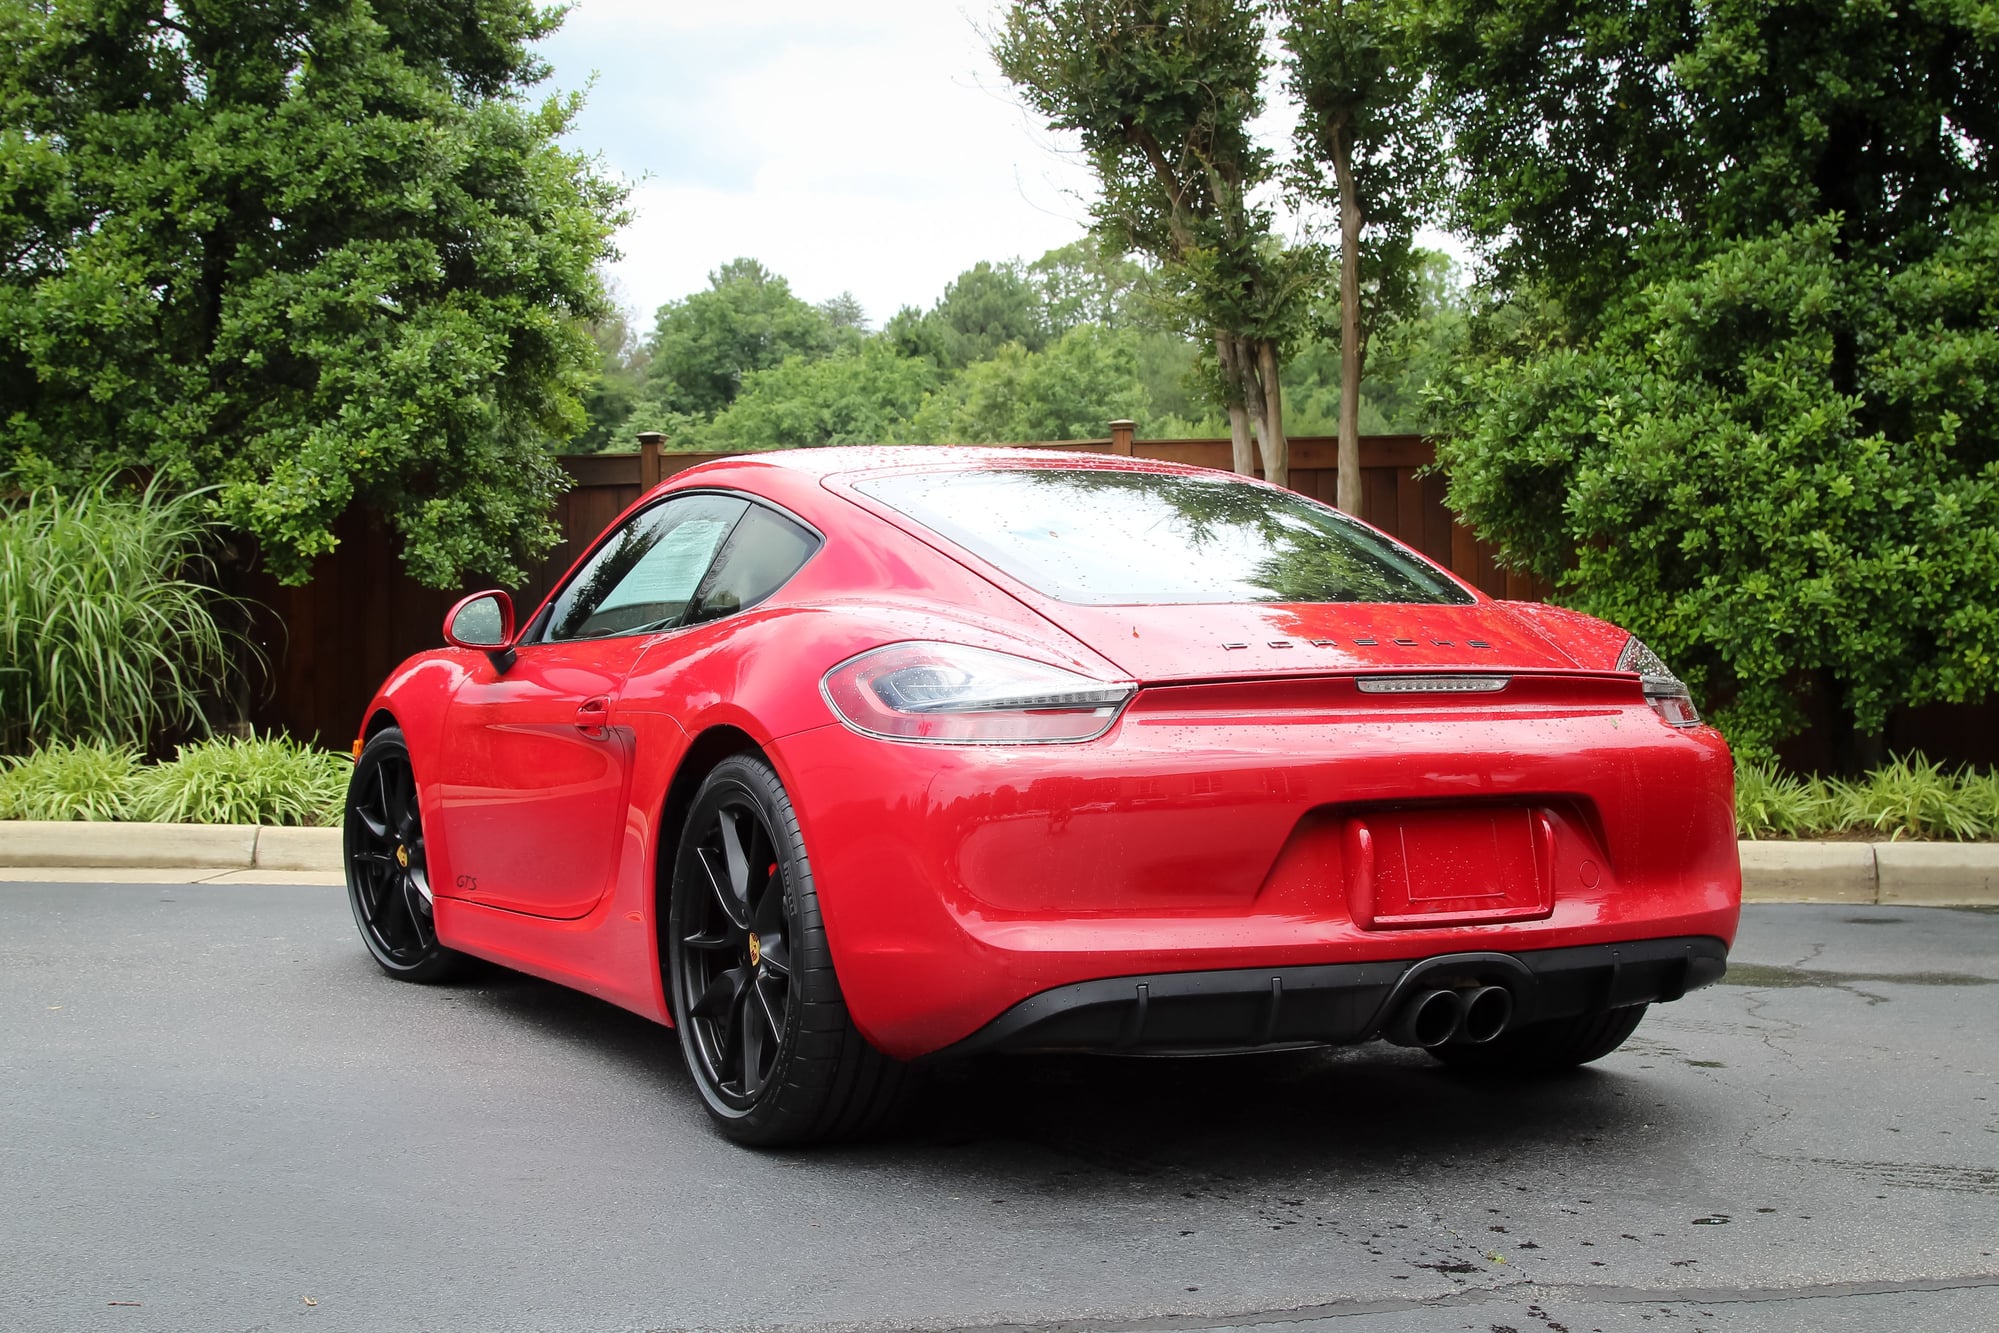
[106, 634]
[1916, 799]
[1769, 804]
[227, 780]
[1908, 798]
[90, 780]
[222, 781]
[1693, 474]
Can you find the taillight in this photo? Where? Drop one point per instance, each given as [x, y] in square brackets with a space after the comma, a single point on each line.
[1666, 692]
[946, 693]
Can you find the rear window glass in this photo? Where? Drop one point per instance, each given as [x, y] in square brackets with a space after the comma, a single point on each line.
[1101, 537]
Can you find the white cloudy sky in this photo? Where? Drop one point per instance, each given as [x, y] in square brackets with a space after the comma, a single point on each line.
[863, 145]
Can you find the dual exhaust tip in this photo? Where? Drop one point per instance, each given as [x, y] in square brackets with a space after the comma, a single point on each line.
[1433, 1017]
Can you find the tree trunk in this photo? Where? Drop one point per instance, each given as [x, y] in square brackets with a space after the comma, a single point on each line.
[1855, 753]
[1243, 451]
[1254, 404]
[1348, 495]
[1276, 449]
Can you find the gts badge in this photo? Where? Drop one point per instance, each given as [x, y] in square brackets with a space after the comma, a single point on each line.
[468, 883]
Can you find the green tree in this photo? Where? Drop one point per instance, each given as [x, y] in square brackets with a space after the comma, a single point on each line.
[1405, 358]
[845, 313]
[865, 395]
[1084, 282]
[1739, 394]
[704, 345]
[317, 254]
[1086, 378]
[1363, 126]
[619, 386]
[983, 309]
[1162, 94]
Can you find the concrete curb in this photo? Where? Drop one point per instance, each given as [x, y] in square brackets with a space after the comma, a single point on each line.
[1933, 874]
[1809, 872]
[1927, 874]
[29, 843]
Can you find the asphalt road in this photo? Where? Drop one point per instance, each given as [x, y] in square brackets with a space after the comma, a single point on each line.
[215, 1114]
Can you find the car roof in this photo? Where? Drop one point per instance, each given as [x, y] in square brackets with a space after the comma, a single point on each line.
[838, 460]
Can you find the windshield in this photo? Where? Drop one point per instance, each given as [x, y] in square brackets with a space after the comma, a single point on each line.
[1102, 537]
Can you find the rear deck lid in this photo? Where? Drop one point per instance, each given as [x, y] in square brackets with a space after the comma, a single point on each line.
[1207, 642]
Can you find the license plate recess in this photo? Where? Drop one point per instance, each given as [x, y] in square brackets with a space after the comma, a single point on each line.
[1449, 865]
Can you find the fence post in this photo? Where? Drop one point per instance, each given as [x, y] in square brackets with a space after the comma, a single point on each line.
[1121, 437]
[649, 445]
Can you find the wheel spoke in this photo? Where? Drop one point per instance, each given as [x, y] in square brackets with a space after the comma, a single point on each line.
[710, 940]
[375, 898]
[750, 1039]
[769, 915]
[720, 997]
[773, 1017]
[405, 805]
[732, 907]
[412, 913]
[776, 958]
[391, 914]
[383, 804]
[732, 1043]
[731, 827]
[376, 825]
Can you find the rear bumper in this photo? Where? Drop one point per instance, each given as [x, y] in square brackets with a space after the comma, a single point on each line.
[958, 884]
[1339, 1004]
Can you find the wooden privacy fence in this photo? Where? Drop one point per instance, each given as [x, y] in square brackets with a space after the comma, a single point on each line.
[332, 640]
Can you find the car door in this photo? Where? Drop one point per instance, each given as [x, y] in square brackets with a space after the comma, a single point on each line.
[535, 773]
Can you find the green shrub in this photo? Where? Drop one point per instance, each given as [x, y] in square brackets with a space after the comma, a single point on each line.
[269, 780]
[90, 780]
[106, 632]
[1770, 804]
[1916, 799]
[1910, 798]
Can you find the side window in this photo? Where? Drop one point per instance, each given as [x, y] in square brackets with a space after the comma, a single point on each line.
[644, 578]
[765, 549]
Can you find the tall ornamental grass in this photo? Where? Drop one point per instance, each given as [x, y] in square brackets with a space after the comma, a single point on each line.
[106, 630]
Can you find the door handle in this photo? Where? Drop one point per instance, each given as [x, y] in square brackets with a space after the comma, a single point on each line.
[592, 716]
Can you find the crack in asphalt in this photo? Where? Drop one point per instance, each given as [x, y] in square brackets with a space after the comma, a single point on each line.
[1539, 1292]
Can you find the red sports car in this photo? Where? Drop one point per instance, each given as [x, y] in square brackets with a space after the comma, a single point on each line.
[845, 759]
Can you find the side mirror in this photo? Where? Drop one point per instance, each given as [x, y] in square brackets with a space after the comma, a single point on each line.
[484, 621]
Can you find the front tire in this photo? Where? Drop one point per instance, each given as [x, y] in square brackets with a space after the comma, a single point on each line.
[1546, 1048]
[388, 879]
[762, 1024]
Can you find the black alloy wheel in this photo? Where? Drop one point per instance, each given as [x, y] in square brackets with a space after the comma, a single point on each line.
[734, 958]
[388, 879]
[764, 1030]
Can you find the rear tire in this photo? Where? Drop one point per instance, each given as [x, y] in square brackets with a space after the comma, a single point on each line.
[1546, 1048]
[765, 1031]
